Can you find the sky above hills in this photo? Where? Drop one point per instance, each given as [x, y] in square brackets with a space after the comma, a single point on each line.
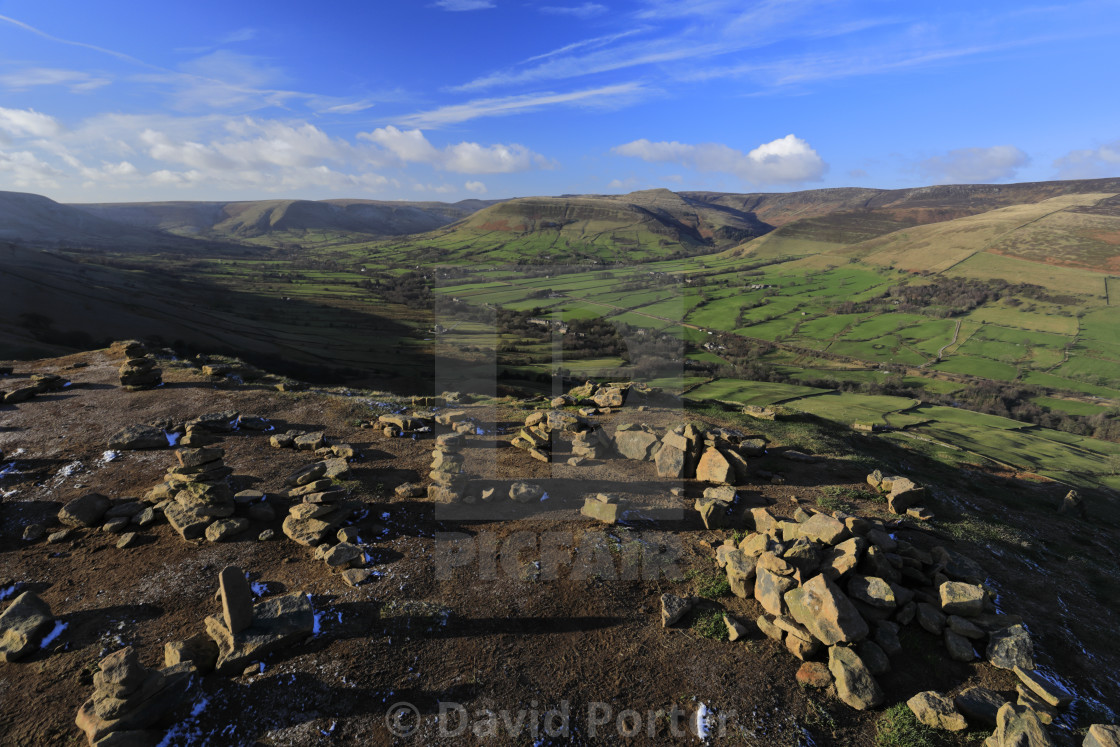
[450, 99]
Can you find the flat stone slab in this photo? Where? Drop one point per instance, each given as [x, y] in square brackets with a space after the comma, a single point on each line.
[278, 623]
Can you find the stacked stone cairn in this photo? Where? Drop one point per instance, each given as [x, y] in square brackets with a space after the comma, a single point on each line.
[128, 699]
[197, 496]
[449, 480]
[534, 438]
[138, 372]
[321, 506]
[837, 589]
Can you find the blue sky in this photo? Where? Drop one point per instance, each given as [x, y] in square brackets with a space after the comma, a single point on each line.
[450, 99]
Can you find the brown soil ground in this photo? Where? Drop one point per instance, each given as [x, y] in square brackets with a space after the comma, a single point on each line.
[520, 638]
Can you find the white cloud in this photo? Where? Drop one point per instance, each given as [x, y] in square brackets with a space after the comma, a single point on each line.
[1090, 163]
[472, 158]
[76, 80]
[971, 165]
[23, 170]
[787, 160]
[28, 123]
[613, 96]
[410, 146]
[460, 5]
[587, 10]
[476, 187]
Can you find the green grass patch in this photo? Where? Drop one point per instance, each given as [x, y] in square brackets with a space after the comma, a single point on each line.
[899, 727]
[709, 624]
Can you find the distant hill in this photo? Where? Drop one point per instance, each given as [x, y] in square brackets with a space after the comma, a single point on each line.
[286, 218]
[1004, 231]
[634, 227]
[40, 220]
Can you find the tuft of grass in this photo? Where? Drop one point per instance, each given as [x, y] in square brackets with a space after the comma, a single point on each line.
[738, 535]
[711, 585]
[898, 727]
[709, 624]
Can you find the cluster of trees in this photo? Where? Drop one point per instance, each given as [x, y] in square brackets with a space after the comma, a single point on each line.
[1014, 401]
[946, 297]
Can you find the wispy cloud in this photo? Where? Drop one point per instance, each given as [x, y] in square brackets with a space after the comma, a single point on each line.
[76, 80]
[605, 96]
[462, 5]
[238, 36]
[586, 10]
[715, 28]
[1090, 163]
[971, 165]
[112, 53]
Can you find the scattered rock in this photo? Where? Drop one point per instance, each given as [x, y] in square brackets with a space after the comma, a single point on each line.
[673, 608]
[128, 539]
[237, 599]
[980, 704]
[524, 492]
[823, 609]
[1102, 735]
[225, 529]
[23, 625]
[138, 437]
[1049, 691]
[855, 684]
[814, 674]
[735, 629]
[1011, 647]
[1018, 726]
[86, 511]
[936, 711]
[199, 651]
[958, 598]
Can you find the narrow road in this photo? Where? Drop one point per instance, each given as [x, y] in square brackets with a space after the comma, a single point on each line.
[943, 348]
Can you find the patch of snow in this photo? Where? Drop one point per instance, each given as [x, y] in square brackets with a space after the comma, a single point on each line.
[316, 625]
[172, 438]
[9, 470]
[257, 588]
[107, 457]
[69, 469]
[8, 493]
[262, 668]
[544, 497]
[50, 637]
[8, 591]
[385, 516]
[703, 725]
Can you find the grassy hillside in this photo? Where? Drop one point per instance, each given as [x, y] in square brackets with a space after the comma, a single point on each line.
[637, 227]
[280, 221]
